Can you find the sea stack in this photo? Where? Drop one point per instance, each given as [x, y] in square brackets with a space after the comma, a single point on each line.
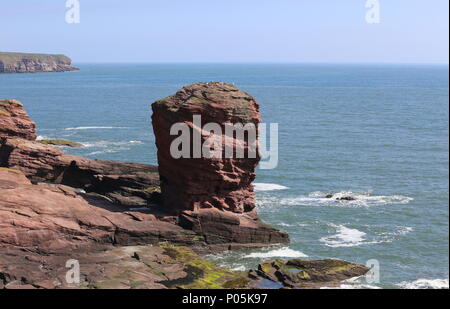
[213, 196]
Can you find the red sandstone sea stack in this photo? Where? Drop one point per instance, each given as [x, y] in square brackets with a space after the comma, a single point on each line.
[213, 195]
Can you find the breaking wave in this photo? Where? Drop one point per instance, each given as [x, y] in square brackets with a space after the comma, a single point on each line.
[350, 237]
[102, 147]
[344, 199]
[268, 187]
[105, 144]
[345, 237]
[277, 253]
[425, 284]
[93, 128]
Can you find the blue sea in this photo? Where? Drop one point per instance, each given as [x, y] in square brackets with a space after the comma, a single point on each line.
[378, 133]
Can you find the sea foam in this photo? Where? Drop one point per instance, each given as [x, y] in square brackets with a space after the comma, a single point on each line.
[93, 128]
[425, 284]
[284, 252]
[268, 187]
[345, 237]
[360, 199]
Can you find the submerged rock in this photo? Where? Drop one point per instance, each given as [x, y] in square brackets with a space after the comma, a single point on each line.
[301, 273]
[341, 198]
[60, 142]
[213, 195]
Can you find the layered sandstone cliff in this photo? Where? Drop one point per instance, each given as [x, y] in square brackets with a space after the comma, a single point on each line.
[34, 63]
[109, 215]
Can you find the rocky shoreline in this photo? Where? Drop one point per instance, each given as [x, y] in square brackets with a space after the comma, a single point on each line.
[34, 63]
[135, 225]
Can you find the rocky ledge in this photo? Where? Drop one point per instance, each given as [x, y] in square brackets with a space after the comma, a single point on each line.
[34, 63]
[143, 226]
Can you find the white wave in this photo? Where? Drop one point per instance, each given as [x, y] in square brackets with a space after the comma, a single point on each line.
[359, 199]
[400, 231]
[106, 144]
[239, 268]
[425, 284]
[345, 237]
[355, 283]
[285, 224]
[103, 151]
[353, 287]
[41, 137]
[280, 253]
[93, 128]
[259, 186]
[298, 224]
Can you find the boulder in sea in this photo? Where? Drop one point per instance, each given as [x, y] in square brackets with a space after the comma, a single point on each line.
[301, 273]
[213, 195]
[341, 198]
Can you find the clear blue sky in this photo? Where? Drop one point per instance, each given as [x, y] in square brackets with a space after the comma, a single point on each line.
[410, 31]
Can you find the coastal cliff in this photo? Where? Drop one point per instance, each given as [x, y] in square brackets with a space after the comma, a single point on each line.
[119, 223]
[34, 63]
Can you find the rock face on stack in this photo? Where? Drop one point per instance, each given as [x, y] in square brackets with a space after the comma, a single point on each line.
[213, 196]
[14, 121]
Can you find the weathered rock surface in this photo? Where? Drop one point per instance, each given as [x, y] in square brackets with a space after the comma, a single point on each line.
[34, 63]
[56, 207]
[131, 267]
[129, 184]
[214, 196]
[195, 183]
[14, 121]
[49, 218]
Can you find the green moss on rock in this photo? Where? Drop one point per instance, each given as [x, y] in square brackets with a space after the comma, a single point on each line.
[203, 274]
[60, 142]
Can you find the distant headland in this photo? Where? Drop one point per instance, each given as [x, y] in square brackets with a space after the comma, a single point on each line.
[34, 63]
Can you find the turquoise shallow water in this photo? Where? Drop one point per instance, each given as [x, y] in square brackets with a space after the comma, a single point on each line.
[377, 132]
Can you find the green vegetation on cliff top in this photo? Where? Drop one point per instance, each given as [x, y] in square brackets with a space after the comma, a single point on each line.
[6, 57]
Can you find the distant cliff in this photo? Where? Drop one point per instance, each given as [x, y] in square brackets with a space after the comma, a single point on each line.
[34, 63]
